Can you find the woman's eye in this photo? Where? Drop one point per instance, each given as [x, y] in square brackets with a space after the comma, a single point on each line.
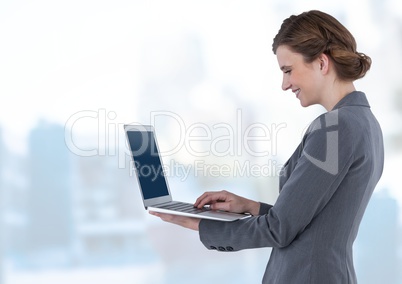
[287, 71]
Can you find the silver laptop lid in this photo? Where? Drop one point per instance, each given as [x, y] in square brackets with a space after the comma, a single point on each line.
[148, 164]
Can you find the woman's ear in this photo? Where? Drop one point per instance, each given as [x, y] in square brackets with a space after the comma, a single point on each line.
[324, 62]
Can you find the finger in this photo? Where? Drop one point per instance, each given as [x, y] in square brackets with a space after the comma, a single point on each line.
[154, 213]
[165, 217]
[210, 198]
[202, 197]
[224, 206]
[158, 214]
[187, 222]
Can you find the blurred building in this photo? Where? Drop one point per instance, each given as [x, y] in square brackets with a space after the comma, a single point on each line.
[376, 245]
[2, 226]
[49, 206]
[108, 214]
[12, 221]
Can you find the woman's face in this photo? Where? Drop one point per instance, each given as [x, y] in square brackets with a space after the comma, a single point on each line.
[304, 79]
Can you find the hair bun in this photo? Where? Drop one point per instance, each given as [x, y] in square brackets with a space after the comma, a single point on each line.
[365, 64]
[313, 33]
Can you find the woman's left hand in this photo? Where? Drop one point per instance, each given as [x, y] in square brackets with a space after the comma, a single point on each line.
[186, 222]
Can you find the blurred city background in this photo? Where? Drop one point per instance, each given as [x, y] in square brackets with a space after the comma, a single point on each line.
[73, 72]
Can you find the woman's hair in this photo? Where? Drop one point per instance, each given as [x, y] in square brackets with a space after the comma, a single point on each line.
[314, 33]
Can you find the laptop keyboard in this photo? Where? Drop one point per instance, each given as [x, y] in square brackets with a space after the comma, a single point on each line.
[183, 207]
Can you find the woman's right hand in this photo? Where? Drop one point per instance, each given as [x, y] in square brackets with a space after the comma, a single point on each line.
[227, 201]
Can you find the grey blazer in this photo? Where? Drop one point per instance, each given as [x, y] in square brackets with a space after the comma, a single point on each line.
[325, 187]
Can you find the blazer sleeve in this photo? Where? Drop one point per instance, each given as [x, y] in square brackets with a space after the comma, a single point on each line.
[325, 160]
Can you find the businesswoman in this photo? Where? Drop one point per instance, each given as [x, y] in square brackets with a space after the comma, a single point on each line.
[326, 184]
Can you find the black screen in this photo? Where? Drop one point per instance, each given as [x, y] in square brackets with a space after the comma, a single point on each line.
[147, 163]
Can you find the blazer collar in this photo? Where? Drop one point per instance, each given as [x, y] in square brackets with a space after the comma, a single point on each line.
[355, 98]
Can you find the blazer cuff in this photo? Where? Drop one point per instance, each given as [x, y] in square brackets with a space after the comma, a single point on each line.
[264, 208]
[212, 235]
[206, 229]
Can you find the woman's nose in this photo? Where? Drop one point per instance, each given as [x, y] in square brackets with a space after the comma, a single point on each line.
[285, 84]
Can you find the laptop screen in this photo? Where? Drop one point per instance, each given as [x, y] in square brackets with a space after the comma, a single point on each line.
[147, 163]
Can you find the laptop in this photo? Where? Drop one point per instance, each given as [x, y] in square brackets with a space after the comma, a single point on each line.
[152, 180]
